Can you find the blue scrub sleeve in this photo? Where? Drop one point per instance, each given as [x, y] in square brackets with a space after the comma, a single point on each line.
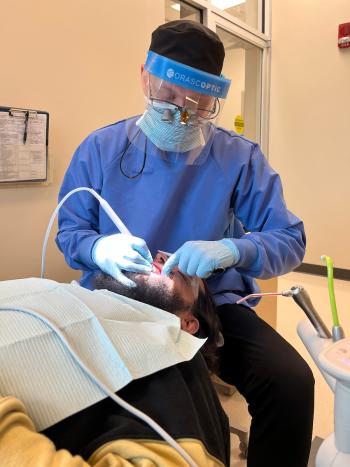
[78, 218]
[277, 237]
[248, 252]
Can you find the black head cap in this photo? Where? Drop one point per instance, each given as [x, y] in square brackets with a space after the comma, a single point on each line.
[190, 43]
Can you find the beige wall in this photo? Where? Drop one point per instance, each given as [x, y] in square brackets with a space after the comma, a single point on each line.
[267, 307]
[310, 120]
[80, 61]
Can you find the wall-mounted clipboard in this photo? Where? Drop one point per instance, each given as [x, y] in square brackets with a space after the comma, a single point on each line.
[24, 136]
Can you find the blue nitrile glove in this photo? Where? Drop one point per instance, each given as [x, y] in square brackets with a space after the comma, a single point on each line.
[201, 258]
[118, 252]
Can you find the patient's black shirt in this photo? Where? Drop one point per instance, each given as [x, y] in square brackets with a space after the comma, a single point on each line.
[180, 398]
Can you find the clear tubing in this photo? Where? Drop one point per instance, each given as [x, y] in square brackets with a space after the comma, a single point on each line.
[329, 264]
[105, 206]
[118, 400]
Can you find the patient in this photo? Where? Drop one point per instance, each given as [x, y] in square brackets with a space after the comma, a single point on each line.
[180, 398]
[187, 297]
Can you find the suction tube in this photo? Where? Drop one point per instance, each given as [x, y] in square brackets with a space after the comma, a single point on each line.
[337, 330]
[105, 206]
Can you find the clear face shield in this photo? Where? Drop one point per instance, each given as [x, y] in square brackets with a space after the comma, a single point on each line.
[182, 108]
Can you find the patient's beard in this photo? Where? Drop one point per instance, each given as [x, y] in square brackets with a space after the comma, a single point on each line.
[145, 292]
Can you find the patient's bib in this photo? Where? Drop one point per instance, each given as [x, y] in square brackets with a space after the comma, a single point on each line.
[117, 338]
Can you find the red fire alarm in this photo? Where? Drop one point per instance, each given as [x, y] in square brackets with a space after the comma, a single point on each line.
[344, 35]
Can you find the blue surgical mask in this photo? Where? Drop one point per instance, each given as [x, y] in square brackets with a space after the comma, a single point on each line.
[169, 135]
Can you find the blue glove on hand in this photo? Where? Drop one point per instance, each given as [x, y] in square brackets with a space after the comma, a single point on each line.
[119, 252]
[201, 258]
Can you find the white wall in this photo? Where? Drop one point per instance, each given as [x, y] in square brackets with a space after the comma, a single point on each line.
[80, 61]
[310, 121]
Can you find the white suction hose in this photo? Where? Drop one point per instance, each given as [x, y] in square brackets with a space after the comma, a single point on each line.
[105, 206]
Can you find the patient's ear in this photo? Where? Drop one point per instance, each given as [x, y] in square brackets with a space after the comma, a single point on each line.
[189, 322]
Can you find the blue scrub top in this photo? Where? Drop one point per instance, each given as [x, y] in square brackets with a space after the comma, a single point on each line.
[232, 192]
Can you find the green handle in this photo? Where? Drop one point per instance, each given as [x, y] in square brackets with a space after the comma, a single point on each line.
[329, 264]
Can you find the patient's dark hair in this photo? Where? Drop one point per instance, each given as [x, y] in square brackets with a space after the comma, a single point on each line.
[209, 326]
[203, 309]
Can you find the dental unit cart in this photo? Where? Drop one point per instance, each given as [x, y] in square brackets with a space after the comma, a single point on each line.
[331, 353]
[332, 356]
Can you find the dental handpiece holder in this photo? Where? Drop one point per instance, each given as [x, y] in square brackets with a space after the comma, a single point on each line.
[335, 361]
[332, 356]
[302, 298]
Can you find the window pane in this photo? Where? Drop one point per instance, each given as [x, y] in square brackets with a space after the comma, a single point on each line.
[243, 66]
[245, 10]
[180, 10]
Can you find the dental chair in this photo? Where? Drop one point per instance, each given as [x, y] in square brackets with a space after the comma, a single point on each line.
[228, 390]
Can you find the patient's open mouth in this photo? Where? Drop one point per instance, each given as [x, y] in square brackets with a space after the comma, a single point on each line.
[157, 268]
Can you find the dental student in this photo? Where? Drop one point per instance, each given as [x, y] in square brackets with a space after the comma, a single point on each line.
[183, 185]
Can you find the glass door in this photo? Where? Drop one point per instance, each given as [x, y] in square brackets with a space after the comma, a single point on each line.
[181, 10]
[242, 109]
